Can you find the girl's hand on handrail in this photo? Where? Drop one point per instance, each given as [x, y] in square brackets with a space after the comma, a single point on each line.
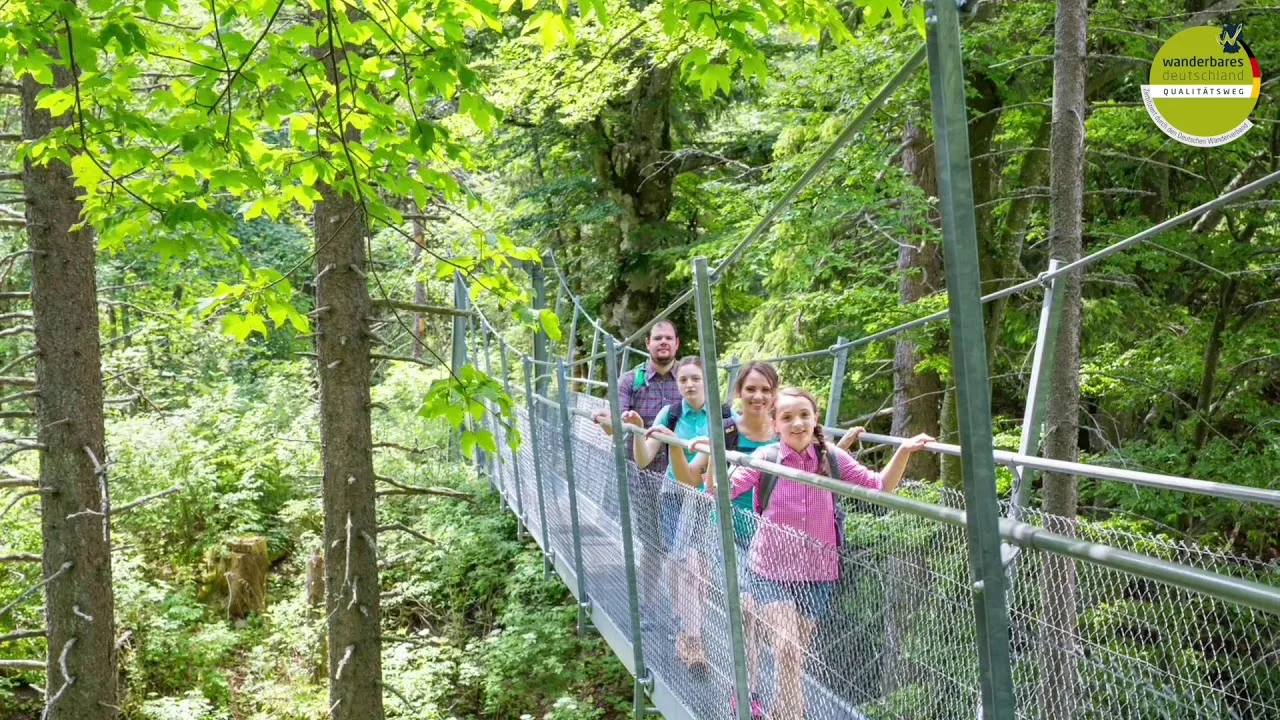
[658, 430]
[701, 445]
[850, 437]
[917, 443]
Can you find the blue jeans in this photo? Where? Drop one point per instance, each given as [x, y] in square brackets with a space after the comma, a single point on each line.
[811, 598]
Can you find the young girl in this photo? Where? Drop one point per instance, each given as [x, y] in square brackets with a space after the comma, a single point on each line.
[688, 572]
[793, 560]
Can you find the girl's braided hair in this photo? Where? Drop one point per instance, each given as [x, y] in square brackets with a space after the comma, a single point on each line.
[819, 437]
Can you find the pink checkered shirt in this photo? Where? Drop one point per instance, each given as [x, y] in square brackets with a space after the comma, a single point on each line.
[797, 543]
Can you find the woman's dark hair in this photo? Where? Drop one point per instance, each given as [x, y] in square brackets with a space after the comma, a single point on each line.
[819, 436]
[756, 366]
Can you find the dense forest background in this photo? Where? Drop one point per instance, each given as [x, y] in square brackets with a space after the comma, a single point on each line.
[220, 155]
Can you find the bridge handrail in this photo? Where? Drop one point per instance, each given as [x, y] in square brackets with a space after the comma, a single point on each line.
[1177, 483]
[1222, 587]
[1045, 277]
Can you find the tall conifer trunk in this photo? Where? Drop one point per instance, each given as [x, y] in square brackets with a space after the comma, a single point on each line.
[79, 607]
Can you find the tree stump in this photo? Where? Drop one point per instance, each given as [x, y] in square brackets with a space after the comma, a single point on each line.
[247, 576]
[315, 609]
[315, 581]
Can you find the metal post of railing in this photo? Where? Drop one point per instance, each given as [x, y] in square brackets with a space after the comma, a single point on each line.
[573, 336]
[495, 427]
[1038, 391]
[566, 434]
[837, 383]
[515, 457]
[531, 407]
[969, 355]
[481, 458]
[732, 370]
[620, 438]
[459, 339]
[719, 471]
[539, 278]
[595, 347]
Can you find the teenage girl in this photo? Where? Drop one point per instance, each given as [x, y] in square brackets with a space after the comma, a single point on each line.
[688, 588]
[793, 561]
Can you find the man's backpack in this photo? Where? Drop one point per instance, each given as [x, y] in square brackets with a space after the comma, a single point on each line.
[638, 376]
[768, 481]
[726, 414]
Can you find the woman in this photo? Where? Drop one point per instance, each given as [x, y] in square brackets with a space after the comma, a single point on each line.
[793, 561]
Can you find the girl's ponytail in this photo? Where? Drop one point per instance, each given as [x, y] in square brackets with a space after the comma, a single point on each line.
[820, 443]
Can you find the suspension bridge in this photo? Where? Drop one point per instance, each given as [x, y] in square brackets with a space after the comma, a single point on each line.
[950, 604]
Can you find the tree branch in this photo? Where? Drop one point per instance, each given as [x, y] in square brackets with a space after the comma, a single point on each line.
[426, 309]
[403, 489]
[415, 451]
[405, 529]
[143, 501]
[401, 358]
[20, 558]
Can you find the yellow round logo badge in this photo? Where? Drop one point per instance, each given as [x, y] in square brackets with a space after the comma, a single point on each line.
[1205, 82]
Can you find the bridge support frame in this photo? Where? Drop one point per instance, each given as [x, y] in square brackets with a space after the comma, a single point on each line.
[969, 355]
[566, 434]
[624, 520]
[719, 470]
[531, 406]
[837, 383]
[515, 461]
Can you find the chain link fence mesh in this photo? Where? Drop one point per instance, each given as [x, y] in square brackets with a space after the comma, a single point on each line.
[894, 637]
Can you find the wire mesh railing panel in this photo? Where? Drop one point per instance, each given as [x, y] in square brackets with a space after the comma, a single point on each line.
[1098, 643]
[899, 641]
[555, 488]
[528, 488]
[1091, 643]
[690, 647]
[893, 636]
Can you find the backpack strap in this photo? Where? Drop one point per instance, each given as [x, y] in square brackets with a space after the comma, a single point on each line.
[767, 480]
[674, 411]
[638, 377]
[731, 433]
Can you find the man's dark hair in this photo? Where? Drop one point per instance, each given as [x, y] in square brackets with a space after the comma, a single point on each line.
[674, 330]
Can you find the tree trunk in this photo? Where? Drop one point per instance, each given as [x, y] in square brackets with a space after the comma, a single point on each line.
[1212, 354]
[984, 172]
[631, 158]
[419, 289]
[917, 396]
[79, 606]
[350, 501]
[315, 603]
[1059, 680]
[1013, 233]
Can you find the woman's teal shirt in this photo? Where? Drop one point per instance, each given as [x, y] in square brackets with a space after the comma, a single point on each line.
[744, 525]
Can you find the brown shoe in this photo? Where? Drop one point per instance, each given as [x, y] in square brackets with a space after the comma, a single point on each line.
[697, 655]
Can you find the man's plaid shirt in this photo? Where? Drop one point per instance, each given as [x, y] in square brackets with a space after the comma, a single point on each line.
[657, 392]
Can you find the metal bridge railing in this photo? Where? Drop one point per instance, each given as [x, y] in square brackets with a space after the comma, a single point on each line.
[1166, 629]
